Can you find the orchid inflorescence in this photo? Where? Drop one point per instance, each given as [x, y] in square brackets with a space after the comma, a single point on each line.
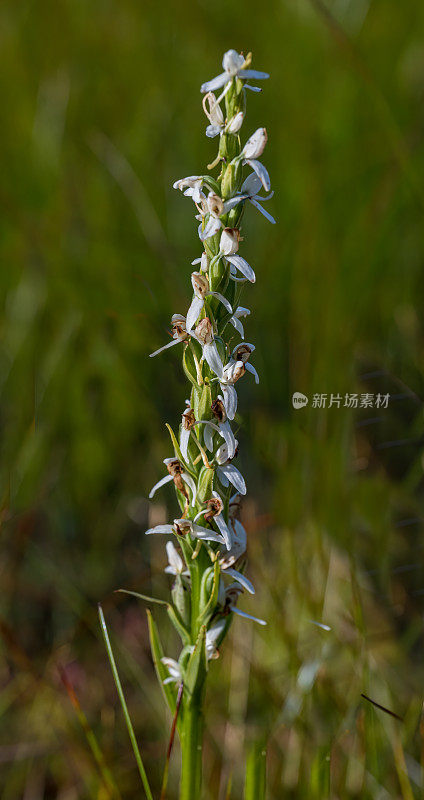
[208, 539]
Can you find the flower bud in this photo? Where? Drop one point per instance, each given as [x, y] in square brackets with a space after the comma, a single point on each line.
[204, 262]
[215, 204]
[255, 146]
[235, 123]
[200, 284]
[229, 243]
[232, 61]
[204, 332]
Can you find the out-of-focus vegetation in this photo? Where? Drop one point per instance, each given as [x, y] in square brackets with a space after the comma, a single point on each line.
[101, 112]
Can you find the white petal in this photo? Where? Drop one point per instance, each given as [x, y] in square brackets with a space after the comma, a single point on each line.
[193, 313]
[238, 325]
[222, 299]
[261, 172]
[222, 525]
[208, 436]
[241, 579]
[212, 227]
[174, 559]
[222, 477]
[251, 369]
[210, 352]
[235, 123]
[255, 145]
[234, 201]
[165, 347]
[206, 534]
[241, 264]
[232, 61]
[252, 185]
[229, 438]
[212, 131]
[215, 83]
[234, 476]
[160, 483]
[190, 482]
[230, 400]
[241, 312]
[245, 74]
[266, 214]
[161, 529]
[248, 616]
[184, 440]
[252, 88]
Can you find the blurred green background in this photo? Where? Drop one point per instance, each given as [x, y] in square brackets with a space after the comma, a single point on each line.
[101, 113]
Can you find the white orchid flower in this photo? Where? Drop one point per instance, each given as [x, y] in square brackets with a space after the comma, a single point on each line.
[242, 352]
[213, 513]
[176, 564]
[200, 284]
[229, 242]
[203, 261]
[180, 334]
[215, 116]
[174, 669]
[176, 473]
[254, 148]
[232, 593]
[232, 372]
[233, 64]
[204, 335]
[191, 186]
[227, 472]
[238, 541]
[183, 526]
[235, 319]
[212, 636]
[221, 426]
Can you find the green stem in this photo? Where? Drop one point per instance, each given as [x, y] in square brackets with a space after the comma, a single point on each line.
[191, 751]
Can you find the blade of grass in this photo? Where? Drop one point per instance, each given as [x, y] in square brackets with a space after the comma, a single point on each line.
[254, 788]
[128, 722]
[105, 772]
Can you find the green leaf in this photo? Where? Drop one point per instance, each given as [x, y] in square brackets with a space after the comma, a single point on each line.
[255, 784]
[203, 402]
[178, 625]
[205, 484]
[161, 671]
[197, 667]
[189, 366]
[144, 597]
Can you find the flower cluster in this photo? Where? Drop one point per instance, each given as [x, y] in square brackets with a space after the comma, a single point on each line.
[208, 540]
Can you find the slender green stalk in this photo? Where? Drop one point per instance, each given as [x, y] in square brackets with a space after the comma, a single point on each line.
[191, 749]
[122, 700]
